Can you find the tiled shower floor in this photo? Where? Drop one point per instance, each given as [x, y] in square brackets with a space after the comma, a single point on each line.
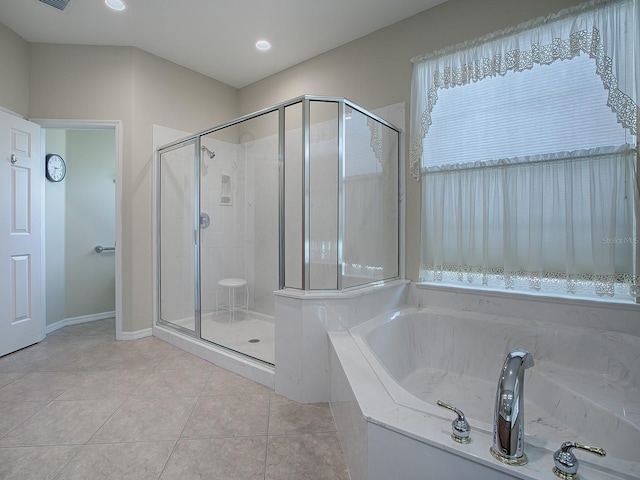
[80, 405]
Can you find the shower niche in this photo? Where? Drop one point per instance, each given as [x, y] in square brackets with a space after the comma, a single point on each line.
[303, 195]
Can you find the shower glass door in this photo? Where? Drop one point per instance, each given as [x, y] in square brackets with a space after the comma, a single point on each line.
[178, 226]
[239, 252]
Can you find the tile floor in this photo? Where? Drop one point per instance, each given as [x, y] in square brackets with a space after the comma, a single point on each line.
[80, 405]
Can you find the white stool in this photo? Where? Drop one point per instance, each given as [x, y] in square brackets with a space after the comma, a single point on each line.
[232, 304]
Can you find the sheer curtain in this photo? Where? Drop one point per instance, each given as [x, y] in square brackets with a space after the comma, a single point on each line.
[521, 224]
[538, 206]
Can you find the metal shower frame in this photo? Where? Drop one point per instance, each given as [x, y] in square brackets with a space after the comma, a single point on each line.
[305, 101]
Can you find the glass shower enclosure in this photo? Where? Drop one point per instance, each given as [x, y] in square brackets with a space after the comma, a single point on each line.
[303, 195]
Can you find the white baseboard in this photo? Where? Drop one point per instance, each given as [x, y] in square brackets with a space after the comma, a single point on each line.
[77, 320]
[146, 332]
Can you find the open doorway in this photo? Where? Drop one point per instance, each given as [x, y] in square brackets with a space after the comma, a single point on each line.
[82, 224]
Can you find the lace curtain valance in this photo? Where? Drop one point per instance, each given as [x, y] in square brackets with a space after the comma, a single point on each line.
[607, 31]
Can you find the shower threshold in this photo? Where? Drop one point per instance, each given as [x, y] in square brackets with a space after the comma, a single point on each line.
[237, 362]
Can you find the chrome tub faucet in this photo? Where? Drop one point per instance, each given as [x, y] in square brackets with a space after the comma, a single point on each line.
[508, 417]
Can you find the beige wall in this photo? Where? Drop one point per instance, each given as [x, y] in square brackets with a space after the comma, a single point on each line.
[375, 70]
[127, 84]
[14, 72]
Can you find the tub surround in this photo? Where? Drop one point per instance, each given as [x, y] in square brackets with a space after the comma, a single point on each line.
[385, 429]
[601, 315]
[302, 322]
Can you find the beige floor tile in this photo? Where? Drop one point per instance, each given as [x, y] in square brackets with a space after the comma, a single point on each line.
[123, 407]
[143, 358]
[7, 378]
[26, 360]
[34, 463]
[145, 344]
[287, 416]
[105, 384]
[72, 361]
[228, 416]
[179, 359]
[240, 458]
[174, 383]
[38, 387]
[62, 423]
[98, 327]
[118, 461]
[224, 382]
[314, 456]
[13, 414]
[147, 420]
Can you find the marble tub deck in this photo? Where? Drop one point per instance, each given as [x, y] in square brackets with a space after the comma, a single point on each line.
[80, 405]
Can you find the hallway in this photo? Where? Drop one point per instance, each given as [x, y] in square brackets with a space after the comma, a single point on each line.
[81, 405]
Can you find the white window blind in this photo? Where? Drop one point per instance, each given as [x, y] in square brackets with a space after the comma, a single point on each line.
[548, 109]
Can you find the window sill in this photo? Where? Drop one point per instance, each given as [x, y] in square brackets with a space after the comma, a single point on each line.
[622, 304]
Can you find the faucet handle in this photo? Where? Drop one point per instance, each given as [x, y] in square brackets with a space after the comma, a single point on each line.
[460, 426]
[566, 463]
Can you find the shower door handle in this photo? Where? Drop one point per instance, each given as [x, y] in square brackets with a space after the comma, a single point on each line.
[205, 221]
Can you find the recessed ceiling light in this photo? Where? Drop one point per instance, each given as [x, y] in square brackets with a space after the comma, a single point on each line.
[263, 45]
[115, 4]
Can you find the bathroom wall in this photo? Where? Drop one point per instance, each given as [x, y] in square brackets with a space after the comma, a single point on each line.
[14, 74]
[375, 70]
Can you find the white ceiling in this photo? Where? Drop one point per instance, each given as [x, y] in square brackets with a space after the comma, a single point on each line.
[212, 37]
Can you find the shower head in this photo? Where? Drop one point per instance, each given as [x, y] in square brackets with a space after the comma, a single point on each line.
[209, 152]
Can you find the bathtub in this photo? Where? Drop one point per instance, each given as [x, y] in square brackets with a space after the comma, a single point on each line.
[584, 387]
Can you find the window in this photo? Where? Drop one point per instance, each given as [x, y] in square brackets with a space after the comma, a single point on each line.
[528, 165]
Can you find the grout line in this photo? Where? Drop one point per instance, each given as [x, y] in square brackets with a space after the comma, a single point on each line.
[166, 462]
[266, 447]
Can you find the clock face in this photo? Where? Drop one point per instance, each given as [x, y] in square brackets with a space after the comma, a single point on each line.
[55, 167]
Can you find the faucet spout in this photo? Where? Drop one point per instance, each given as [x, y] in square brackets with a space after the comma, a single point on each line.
[508, 417]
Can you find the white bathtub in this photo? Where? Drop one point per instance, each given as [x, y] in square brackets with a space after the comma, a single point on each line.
[584, 386]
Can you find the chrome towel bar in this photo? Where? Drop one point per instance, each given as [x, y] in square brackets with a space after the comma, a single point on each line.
[100, 249]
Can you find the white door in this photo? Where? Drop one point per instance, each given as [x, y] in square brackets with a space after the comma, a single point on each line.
[21, 173]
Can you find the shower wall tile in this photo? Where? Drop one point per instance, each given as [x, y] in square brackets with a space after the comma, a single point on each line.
[288, 335]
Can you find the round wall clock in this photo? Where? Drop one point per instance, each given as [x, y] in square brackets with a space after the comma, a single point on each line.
[55, 168]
